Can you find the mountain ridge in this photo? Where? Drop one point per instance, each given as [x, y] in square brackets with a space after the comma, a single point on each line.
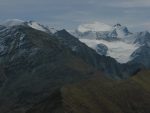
[118, 35]
[39, 72]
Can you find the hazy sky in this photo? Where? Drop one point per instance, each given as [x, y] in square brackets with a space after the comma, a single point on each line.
[70, 13]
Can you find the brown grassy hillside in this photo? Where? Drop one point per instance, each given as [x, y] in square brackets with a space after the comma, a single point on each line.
[102, 95]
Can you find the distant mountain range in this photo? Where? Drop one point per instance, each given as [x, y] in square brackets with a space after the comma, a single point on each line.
[121, 44]
[40, 67]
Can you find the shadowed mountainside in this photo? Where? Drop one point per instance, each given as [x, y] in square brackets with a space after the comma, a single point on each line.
[100, 95]
[34, 66]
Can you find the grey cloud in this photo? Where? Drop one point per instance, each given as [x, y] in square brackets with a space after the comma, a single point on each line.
[70, 13]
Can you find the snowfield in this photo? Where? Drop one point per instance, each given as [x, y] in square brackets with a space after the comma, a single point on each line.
[118, 50]
[118, 39]
[37, 26]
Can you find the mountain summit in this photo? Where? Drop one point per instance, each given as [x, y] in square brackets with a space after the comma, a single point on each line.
[121, 44]
[32, 24]
[12, 22]
[97, 30]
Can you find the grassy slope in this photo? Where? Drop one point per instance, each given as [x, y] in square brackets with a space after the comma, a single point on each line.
[109, 96]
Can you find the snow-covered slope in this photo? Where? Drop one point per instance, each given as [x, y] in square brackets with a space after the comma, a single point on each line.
[41, 27]
[12, 22]
[37, 26]
[118, 39]
[32, 24]
[119, 50]
[99, 30]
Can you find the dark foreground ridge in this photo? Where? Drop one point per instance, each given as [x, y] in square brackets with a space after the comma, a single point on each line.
[37, 70]
[100, 95]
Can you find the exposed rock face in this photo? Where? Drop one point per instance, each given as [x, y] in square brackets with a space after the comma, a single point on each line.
[141, 55]
[107, 35]
[143, 38]
[101, 49]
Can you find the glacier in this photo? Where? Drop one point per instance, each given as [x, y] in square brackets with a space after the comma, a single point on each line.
[118, 39]
[118, 50]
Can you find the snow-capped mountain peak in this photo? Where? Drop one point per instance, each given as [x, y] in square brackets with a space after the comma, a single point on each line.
[32, 24]
[118, 40]
[98, 30]
[37, 26]
[122, 31]
[12, 22]
[117, 25]
[144, 33]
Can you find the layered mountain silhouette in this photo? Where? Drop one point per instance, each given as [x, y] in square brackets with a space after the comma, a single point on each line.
[43, 70]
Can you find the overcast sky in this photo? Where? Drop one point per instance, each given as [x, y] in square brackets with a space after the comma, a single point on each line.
[70, 13]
